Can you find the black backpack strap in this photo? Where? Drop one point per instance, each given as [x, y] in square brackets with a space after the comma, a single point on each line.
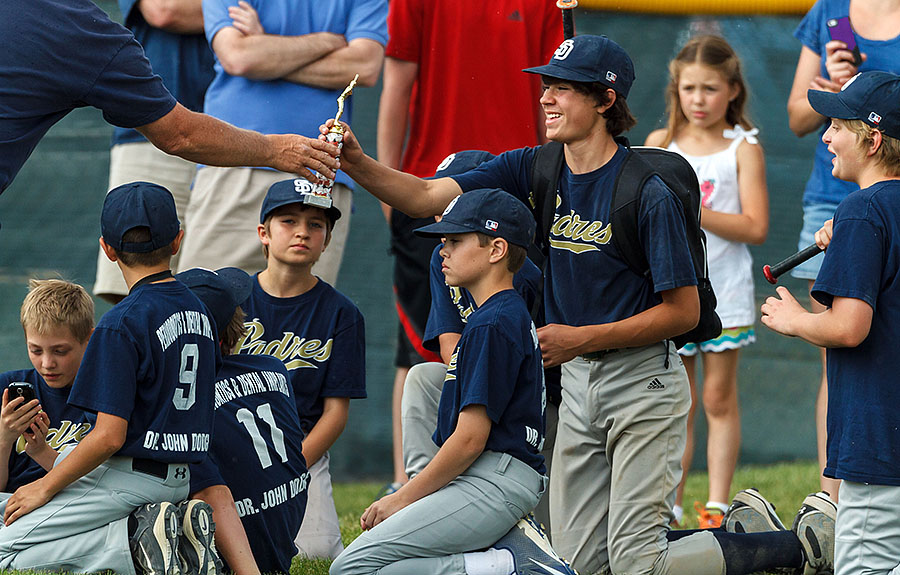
[626, 200]
[545, 171]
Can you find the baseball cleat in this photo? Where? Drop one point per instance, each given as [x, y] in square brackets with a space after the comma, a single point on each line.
[155, 539]
[531, 551]
[814, 526]
[197, 547]
[750, 512]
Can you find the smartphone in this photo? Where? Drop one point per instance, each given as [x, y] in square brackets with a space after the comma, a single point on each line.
[840, 29]
[21, 389]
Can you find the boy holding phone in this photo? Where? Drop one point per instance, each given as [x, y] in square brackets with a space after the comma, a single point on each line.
[35, 420]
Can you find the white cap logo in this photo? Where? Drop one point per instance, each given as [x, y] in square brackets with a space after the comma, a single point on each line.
[450, 206]
[302, 186]
[445, 163]
[874, 118]
[611, 77]
[491, 225]
[564, 50]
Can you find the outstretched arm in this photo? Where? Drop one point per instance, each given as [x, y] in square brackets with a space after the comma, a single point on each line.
[413, 196]
[206, 140]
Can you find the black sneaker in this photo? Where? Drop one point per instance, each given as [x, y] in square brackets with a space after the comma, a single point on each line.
[814, 526]
[197, 547]
[531, 550]
[155, 539]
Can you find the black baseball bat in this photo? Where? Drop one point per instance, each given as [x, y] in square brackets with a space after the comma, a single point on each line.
[568, 18]
[790, 262]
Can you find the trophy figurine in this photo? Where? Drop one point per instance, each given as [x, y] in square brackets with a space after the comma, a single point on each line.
[321, 190]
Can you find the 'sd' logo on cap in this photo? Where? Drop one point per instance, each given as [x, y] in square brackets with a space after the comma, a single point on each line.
[611, 76]
[564, 50]
[302, 186]
[874, 118]
[445, 163]
[450, 206]
[491, 225]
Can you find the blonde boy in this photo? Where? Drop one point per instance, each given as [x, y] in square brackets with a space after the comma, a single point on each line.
[58, 318]
[316, 331]
[858, 283]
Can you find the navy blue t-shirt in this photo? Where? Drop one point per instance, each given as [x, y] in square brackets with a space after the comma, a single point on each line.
[863, 262]
[152, 360]
[257, 452]
[497, 363]
[589, 282]
[320, 336]
[68, 425]
[451, 306]
[183, 61]
[58, 55]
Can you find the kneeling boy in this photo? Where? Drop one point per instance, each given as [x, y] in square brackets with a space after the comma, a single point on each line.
[488, 472]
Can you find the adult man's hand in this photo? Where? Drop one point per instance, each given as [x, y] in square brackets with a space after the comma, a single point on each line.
[301, 155]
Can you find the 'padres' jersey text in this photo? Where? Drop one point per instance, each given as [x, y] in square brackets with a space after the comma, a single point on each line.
[295, 351]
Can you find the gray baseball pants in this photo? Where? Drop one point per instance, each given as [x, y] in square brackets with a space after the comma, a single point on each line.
[867, 530]
[419, 410]
[83, 529]
[617, 462]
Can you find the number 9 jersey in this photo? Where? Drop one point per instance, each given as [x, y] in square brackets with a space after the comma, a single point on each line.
[152, 361]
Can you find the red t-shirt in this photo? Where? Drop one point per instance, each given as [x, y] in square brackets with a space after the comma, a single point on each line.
[471, 93]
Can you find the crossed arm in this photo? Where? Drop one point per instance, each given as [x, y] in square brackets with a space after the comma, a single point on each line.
[321, 59]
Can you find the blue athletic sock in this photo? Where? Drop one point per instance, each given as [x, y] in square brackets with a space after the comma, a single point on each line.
[752, 552]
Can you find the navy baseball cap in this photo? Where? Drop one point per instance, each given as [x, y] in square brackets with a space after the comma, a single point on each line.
[490, 211]
[296, 191]
[461, 162]
[589, 58]
[873, 97]
[139, 204]
[222, 291]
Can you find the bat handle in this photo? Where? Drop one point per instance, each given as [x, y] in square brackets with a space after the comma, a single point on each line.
[790, 262]
[568, 20]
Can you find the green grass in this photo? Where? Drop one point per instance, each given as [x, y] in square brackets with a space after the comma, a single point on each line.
[784, 485]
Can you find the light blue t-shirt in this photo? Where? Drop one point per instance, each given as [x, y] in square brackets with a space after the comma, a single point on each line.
[883, 55]
[279, 106]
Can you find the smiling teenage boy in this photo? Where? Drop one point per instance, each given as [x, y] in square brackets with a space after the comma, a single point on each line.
[147, 375]
[58, 318]
[858, 284]
[622, 421]
[319, 335]
[487, 472]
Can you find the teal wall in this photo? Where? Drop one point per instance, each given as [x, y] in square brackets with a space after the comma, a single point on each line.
[50, 227]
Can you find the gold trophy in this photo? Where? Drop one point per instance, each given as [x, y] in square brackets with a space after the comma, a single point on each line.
[321, 190]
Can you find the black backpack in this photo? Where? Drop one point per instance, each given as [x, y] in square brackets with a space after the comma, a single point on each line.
[640, 164]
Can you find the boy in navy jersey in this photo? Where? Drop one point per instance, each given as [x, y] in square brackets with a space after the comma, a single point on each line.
[317, 333]
[858, 284]
[58, 318]
[255, 458]
[486, 472]
[147, 375]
